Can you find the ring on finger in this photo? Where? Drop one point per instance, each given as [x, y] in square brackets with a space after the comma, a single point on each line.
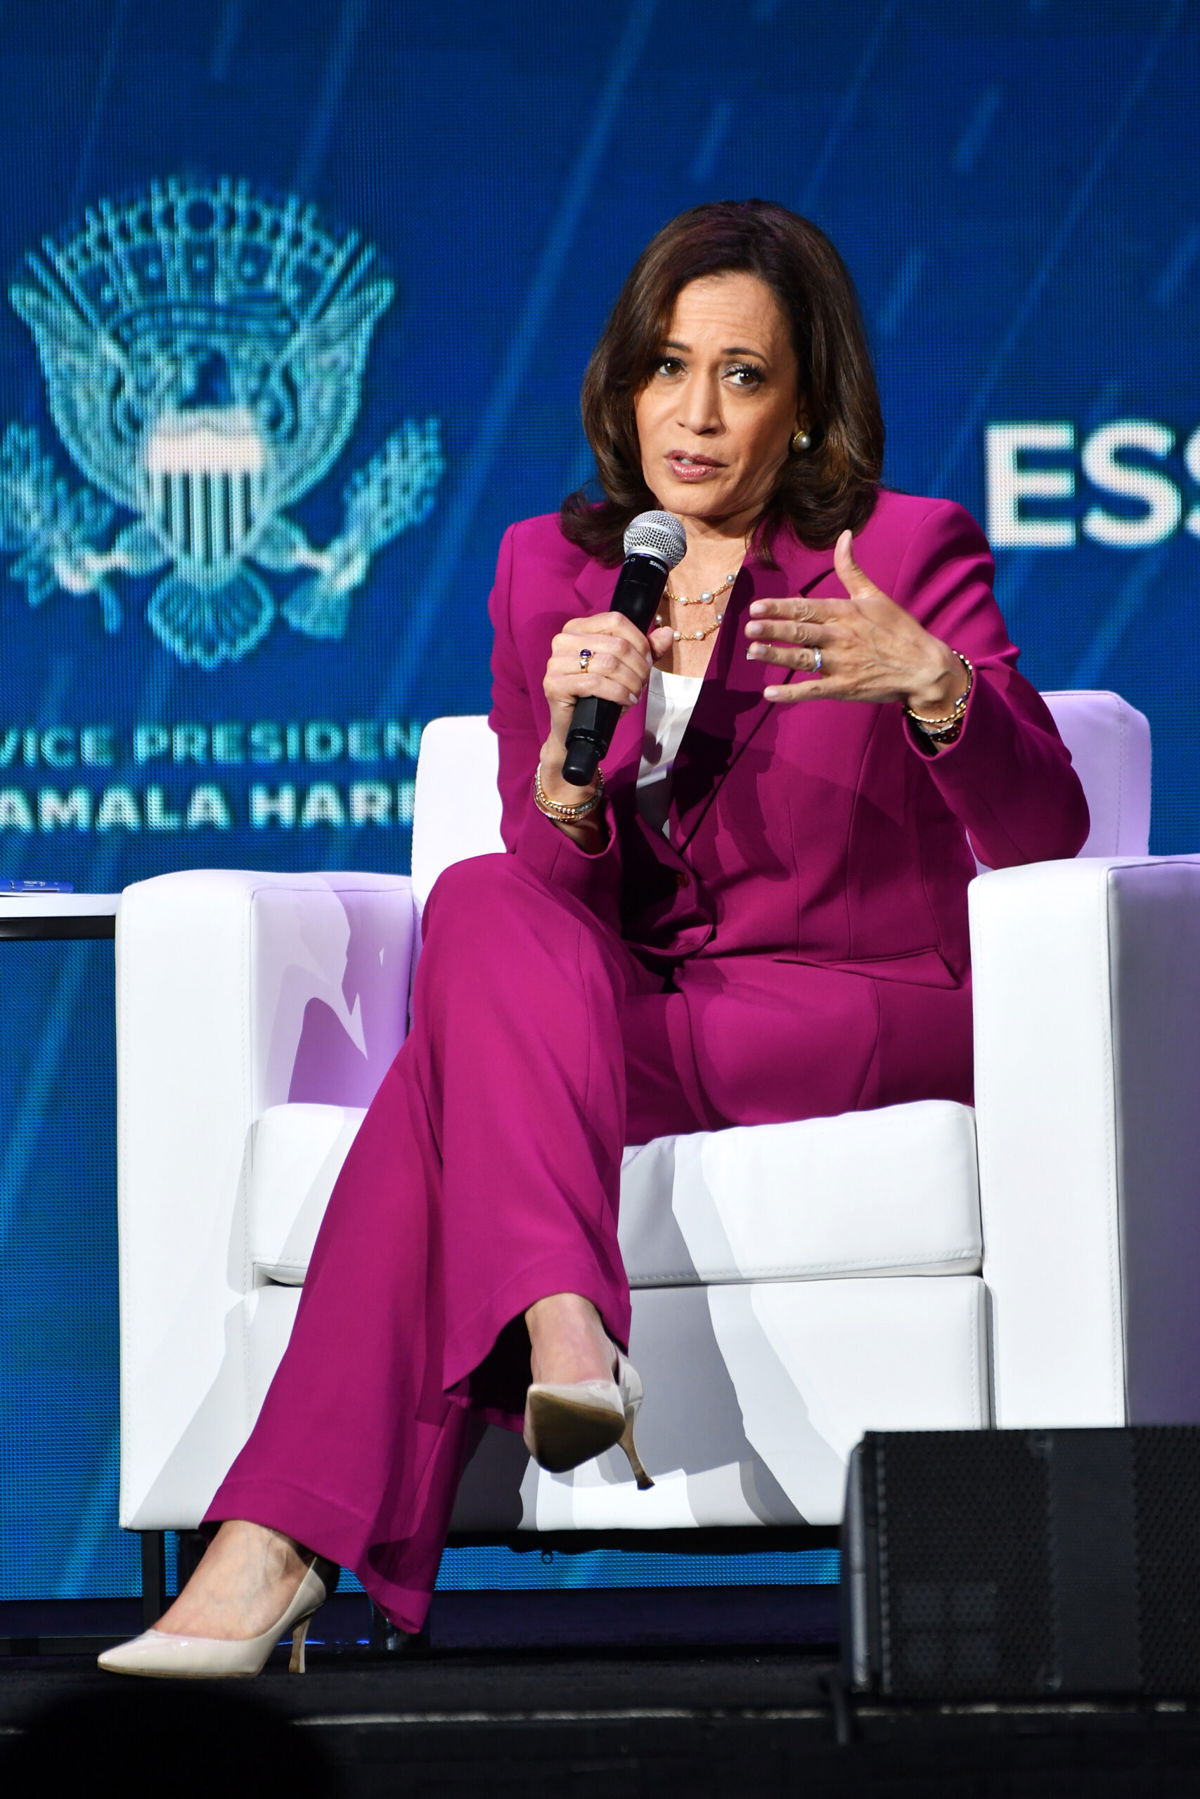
[585, 657]
[817, 662]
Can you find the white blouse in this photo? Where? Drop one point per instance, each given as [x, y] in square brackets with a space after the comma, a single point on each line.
[669, 703]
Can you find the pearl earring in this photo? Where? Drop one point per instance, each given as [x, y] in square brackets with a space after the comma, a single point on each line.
[801, 441]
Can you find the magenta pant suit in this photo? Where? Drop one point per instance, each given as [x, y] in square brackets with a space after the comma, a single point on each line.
[795, 945]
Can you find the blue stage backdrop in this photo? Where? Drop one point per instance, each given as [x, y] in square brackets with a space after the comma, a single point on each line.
[296, 301]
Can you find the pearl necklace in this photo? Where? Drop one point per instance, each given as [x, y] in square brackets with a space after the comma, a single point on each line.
[700, 599]
[693, 636]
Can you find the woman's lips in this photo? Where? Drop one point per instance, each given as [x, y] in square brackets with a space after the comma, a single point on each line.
[691, 468]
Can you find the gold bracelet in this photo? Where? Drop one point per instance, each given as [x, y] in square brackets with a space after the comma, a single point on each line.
[932, 725]
[565, 815]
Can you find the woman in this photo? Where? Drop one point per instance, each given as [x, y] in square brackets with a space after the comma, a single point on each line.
[760, 914]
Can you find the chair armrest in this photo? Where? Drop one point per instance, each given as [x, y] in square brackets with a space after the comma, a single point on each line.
[235, 992]
[1087, 1048]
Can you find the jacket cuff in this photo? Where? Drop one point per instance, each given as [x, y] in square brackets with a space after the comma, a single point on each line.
[1008, 778]
[591, 876]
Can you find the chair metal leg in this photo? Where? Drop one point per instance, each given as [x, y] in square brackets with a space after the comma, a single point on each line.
[154, 1576]
[192, 1544]
[156, 1592]
[386, 1639]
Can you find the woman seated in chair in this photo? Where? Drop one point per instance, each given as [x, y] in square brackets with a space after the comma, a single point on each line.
[757, 913]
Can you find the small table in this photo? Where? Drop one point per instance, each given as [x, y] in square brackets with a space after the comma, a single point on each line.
[40, 917]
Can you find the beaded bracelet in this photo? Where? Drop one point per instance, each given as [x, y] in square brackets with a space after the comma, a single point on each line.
[565, 815]
[948, 734]
[939, 728]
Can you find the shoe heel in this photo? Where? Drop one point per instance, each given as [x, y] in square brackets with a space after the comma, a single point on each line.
[299, 1638]
[627, 1443]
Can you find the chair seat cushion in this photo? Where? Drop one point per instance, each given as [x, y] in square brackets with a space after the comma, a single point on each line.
[886, 1192]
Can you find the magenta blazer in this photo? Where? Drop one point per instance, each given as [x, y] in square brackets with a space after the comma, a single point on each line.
[811, 892]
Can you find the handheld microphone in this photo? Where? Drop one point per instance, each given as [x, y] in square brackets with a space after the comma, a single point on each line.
[654, 543]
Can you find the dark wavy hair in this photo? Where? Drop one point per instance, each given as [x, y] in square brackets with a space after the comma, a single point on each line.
[821, 491]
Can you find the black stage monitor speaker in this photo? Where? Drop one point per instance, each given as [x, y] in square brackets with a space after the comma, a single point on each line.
[1023, 1563]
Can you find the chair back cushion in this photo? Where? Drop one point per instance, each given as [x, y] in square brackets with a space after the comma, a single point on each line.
[456, 810]
[1109, 741]
[456, 807]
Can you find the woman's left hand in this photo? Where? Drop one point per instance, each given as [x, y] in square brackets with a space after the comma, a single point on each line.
[864, 648]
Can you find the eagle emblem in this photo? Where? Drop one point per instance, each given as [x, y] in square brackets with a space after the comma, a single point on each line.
[203, 348]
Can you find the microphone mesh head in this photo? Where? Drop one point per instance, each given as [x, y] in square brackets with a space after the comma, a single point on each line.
[657, 534]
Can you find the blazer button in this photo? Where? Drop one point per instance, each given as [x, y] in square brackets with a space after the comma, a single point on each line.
[682, 878]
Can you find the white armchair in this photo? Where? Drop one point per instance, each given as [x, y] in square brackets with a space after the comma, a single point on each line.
[794, 1285]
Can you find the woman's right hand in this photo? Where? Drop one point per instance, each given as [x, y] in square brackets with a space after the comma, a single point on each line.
[618, 668]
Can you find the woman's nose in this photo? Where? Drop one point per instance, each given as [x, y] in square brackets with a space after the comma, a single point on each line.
[700, 406]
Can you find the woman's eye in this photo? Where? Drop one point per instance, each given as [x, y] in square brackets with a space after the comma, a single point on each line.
[668, 365]
[744, 374]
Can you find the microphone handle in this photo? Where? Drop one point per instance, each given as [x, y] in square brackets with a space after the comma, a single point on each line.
[638, 591]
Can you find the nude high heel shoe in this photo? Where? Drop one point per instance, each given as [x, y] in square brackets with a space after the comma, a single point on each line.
[570, 1422]
[165, 1657]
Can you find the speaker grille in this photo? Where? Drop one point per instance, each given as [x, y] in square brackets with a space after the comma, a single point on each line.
[1026, 1564]
[966, 1607]
[1167, 1477]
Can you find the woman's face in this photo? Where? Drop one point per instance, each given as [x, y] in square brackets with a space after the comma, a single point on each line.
[714, 419]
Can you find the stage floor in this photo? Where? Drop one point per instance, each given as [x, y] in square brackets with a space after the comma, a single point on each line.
[612, 1722]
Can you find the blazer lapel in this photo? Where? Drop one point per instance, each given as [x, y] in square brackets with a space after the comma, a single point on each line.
[730, 707]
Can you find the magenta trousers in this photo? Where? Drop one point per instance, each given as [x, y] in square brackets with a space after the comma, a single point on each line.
[486, 1174]
[484, 1177]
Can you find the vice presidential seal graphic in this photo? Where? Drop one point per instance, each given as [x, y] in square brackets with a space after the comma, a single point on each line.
[203, 348]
